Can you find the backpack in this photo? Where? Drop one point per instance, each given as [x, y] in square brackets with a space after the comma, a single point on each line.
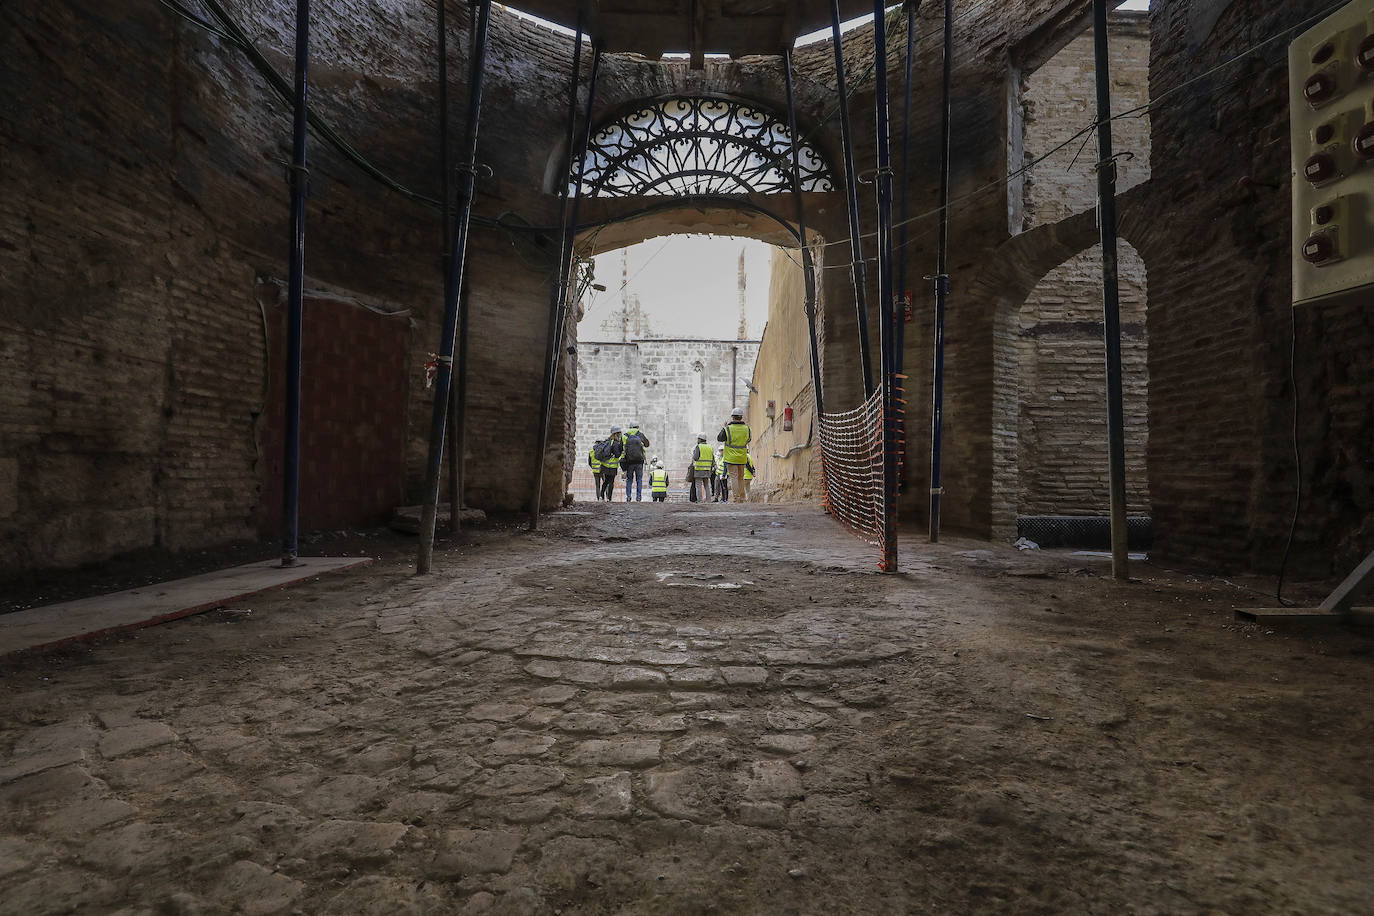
[603, 450]
[634, 451]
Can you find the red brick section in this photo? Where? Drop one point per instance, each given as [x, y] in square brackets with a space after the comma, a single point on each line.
[353, 396]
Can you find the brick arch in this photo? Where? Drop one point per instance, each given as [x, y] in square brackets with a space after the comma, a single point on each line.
[613, 223]
[1014, 271]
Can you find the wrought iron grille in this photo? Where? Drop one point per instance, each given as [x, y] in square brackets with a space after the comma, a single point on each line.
[689, 146]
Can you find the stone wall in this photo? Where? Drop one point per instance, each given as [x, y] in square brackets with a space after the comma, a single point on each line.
[785, 462]
[673, 388]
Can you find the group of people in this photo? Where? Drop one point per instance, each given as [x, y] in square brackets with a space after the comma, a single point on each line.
[716, 474]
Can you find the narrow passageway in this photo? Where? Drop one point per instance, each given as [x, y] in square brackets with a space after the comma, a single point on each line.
[696, 708]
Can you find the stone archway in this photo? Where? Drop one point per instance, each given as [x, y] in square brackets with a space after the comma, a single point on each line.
[1014, 272]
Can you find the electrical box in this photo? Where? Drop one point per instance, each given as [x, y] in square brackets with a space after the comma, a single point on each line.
[1331, 115]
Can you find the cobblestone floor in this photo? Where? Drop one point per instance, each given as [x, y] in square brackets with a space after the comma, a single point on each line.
[692, 709]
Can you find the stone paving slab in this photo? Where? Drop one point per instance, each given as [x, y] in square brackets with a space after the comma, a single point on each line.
[73, 621]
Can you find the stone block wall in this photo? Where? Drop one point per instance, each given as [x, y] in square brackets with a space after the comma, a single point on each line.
[786, 462]
[674, 388]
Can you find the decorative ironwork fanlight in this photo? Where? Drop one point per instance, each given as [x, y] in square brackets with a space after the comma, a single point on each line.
[690, 146]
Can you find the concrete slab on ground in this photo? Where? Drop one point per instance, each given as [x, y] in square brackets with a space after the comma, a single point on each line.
[72, 621]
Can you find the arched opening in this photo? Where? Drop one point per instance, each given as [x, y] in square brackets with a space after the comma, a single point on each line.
[1050, 411]
[686, 146]
[685, 301]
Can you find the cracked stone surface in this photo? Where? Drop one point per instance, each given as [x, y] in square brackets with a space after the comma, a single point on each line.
[545, 725]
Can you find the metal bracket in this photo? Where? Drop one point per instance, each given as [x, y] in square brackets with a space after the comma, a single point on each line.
[1339, 604]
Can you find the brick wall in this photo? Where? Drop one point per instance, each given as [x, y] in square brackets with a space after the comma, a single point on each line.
[141, 196]
[1061, 409]
[1223, 478]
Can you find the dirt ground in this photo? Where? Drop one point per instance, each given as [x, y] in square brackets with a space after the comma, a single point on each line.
[698, 709]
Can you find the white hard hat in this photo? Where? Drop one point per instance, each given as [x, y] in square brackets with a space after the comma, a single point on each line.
[616, 429]
[737, 412]
[701, 436]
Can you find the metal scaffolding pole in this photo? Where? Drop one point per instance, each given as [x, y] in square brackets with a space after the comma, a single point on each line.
[941, 282]
[856, 246]
[808, 268]
[1111, 312]
[446, 217]
[295, 306]
[903, 292]
[453, 283]
[558, 290]
[904, 206]
[458, 416]
[558, 294]
[886, 332]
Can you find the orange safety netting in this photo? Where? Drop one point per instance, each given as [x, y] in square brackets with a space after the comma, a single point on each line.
[852, 467]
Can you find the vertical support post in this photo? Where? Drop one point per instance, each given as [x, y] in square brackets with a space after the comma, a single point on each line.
[452, 284]
[558, 291]
[856, 246]
[886, 296]
[941, 282]
[459, 415]
[904, 207]
[295, 306]
[1111, 311]
[808, 268]
[558, 298]
[446, 218]
[903, 215]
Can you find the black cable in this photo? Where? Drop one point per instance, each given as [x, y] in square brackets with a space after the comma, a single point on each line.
[1297, 451]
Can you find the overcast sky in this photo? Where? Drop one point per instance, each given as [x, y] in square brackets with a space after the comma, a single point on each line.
[687, 285]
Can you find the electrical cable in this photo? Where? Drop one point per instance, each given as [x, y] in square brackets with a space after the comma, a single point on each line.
[1297, 450]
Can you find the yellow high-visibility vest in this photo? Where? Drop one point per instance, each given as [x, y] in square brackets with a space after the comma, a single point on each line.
[594, 461]
[737, 436]
[613, 463]
[703, 459]
[658, 481]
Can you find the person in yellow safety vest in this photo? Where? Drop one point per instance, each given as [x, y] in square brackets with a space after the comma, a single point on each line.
[658, 482]
[736, 436]
[609, 454]
[703, 470]
[594, 463]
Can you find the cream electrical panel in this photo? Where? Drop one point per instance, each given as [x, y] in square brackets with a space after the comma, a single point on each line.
[1331, 105]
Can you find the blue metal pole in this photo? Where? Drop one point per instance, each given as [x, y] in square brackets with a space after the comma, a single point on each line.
[291, 465]
[559, 291]
[1111, 311]
[808, 268]
[856, 245]
[904, 207]
[453, 283]
[883, 183]
[941, 283]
